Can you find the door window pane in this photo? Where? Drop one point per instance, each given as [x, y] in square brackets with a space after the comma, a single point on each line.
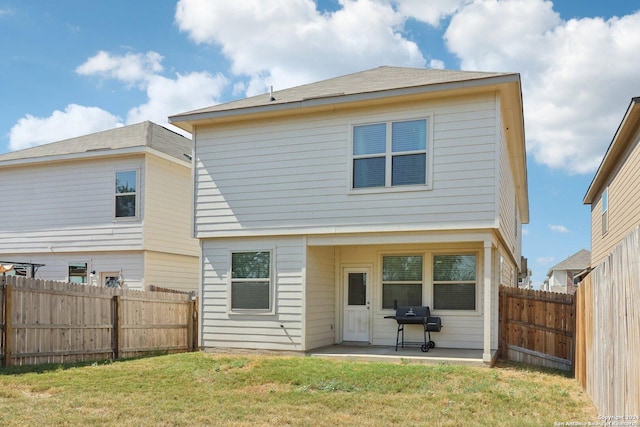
[357, 289]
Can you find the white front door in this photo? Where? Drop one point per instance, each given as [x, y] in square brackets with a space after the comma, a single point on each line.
[356, 304]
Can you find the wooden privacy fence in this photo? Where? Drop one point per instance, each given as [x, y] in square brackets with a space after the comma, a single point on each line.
[537, 327]
[54, 322]
[608, 331]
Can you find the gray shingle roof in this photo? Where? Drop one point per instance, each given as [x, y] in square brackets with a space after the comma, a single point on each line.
[578, 261]
[369, 81]
[138, 135]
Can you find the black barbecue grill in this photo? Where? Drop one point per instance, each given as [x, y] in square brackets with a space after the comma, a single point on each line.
[406, 315]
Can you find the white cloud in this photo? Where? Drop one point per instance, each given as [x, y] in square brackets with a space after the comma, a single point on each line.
[131, 68]
[75, 120]
[431, 12]
[578, 76]
[558, 228]
[165, 96]
[171, 96]
[289, 42]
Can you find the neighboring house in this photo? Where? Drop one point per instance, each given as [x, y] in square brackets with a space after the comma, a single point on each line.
[614, 193]
[320, 205]
[110, 206]
[560, 277]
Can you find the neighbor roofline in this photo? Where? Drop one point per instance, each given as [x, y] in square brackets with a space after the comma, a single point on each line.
[185, 120]
[85, 155]
[618, 146]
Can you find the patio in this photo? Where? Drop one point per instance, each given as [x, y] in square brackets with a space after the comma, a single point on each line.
[410, 353]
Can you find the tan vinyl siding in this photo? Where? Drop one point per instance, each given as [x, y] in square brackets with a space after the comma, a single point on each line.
[464, 330]
[281, 330]
[624, 209]
[179, 272]
[292, 175]
[67, 207]
[320, 297]
[167, 224]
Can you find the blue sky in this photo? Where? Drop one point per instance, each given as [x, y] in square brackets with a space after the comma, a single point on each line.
[73, 67]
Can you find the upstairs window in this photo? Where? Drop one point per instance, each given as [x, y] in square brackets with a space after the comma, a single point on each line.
[390, 154]
[126, 194]
[605, 209]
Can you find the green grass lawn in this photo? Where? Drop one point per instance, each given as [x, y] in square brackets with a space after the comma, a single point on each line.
[200, 389]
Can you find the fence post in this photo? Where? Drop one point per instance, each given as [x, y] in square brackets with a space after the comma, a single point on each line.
[190, 315]
[117, 326]
[503, 313]
[194, 325]
[8, 327]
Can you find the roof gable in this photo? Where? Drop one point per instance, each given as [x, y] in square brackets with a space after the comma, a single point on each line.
[578, 261]
[145, 134]
[615, 153]
[374, 81]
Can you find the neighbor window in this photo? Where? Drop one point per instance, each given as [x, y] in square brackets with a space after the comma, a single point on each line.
[78, 272]
[605, 209]
[251, 281]
[401, 281]
[390, 154]
[454, 282]
[126, 185]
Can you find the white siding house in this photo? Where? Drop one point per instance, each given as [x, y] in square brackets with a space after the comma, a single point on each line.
[114, 204]
[319, 207]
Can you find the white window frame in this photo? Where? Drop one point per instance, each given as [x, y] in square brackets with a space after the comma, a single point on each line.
[436, 282]
[389, 154]
[604, 216]
[269, 311]
[116, 195]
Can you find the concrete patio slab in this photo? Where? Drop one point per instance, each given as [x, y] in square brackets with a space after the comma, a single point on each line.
[408, 354]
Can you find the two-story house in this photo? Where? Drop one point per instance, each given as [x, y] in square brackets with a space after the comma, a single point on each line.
[614, 191]
[320, 207]
[102, 208]
[562, 276]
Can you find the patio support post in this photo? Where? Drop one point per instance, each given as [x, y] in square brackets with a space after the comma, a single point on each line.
[486, 354]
